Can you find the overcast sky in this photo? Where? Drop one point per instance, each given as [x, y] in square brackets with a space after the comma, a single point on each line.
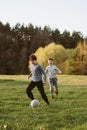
[62, 14]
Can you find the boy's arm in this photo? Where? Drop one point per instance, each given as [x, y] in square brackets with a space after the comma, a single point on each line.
[46, 69]
[43, 72]
[59, 71]
[29, 75]
[30, 72]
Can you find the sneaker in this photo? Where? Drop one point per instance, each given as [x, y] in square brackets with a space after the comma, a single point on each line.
[56, 92]
[52, 96]
[48, 103]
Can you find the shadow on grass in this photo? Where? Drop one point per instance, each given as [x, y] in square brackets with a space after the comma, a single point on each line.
[6, 80]
[12, 81]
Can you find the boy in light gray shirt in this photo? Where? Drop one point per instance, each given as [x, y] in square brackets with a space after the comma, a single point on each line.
[52, 70]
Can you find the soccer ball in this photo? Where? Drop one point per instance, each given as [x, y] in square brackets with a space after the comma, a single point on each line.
[34, 103]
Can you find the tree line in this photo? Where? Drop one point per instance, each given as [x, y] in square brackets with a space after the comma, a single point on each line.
[70, 61]
[18, 42]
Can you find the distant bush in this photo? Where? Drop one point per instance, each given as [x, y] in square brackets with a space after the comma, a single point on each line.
[71, 61]
[58, 52]
[77, 62]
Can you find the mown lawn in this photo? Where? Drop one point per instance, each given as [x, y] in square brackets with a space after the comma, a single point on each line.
[68, 111]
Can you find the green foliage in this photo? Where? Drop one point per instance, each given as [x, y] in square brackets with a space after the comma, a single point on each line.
[71, 61]
[77, 63]
[68, 111]
[18, 42]
[58, 52]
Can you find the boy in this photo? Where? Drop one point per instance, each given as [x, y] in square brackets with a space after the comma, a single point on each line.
[52, 78]
[36, 74]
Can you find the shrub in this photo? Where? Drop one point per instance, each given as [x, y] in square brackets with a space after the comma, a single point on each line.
[57, 52]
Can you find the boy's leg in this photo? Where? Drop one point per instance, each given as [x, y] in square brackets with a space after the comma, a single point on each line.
[51, 91]
[41, 90]
[51, 87]
[29, 88]
[55, 85]
[56, 91]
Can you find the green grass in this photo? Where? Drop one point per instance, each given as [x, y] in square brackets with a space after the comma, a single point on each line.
[68, 111]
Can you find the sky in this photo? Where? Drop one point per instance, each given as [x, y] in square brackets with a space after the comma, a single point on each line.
[70, 15]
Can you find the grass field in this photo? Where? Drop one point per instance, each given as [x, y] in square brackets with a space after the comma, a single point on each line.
[68, 111]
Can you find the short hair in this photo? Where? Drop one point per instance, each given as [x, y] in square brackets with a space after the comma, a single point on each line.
[32, 57]
[51, 59]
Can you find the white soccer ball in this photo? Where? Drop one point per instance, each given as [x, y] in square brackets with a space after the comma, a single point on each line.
[34, 103]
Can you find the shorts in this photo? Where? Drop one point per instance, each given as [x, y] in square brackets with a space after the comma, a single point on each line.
[53, 82]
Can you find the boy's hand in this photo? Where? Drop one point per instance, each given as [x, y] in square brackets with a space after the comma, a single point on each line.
[44, 82]
[28, 77]
[59, 72]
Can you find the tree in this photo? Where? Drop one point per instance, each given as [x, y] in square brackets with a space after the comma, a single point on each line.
[76, 37]
[65, 39]
[57, 52]
[18, 42]
[56, 36]
[77, 63]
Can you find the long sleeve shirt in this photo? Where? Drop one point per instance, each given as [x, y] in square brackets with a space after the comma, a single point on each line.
[37, 73]
[51, 70]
